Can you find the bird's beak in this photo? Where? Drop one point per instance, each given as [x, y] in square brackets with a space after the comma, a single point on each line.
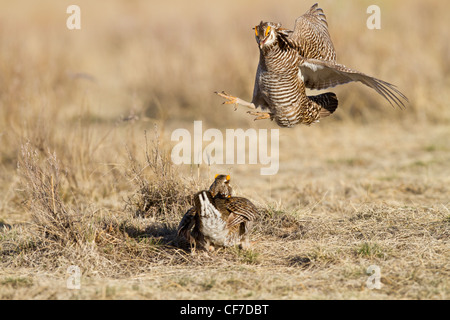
[262, 43]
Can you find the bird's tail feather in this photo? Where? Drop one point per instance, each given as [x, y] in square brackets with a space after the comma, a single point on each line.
[328, 101]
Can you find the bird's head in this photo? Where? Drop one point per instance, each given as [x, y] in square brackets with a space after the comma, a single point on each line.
[266, 33]
[221, 186]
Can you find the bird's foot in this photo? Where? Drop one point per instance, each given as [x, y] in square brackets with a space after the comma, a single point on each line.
[229, 99]
[235, 100]
[261, 115]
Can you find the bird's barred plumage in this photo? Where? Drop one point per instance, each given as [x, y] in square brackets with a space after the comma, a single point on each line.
[224, 221]
[218, 218]
[279, 82]
[311, 37]
[293, 60]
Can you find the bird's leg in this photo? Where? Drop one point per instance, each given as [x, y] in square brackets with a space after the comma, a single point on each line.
[261, 115]
[235, 100]
[193, 246]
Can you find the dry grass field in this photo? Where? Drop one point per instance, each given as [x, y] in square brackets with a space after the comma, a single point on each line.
[86, 177]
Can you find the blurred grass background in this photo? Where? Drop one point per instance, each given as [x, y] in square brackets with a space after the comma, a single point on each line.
[72, 91]
[89, 94]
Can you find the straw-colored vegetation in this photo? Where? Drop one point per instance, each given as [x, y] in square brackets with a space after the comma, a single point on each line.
[86, 177]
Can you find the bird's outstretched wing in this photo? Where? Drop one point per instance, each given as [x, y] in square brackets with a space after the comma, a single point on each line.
[311, 37]
[319, 74]
[318, 66]
[236, 209]
[241, 210]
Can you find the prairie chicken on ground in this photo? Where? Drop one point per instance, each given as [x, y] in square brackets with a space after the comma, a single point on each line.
[293, 60]
[217, 218]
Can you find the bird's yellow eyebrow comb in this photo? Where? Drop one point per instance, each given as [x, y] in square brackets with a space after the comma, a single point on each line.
[256, 31]
[267, 31]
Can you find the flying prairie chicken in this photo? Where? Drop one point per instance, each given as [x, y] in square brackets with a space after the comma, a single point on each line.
[293, 60]
[218, 219]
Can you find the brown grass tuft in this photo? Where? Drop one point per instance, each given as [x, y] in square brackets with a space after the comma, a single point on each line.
[53, 220]
[161, 193]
